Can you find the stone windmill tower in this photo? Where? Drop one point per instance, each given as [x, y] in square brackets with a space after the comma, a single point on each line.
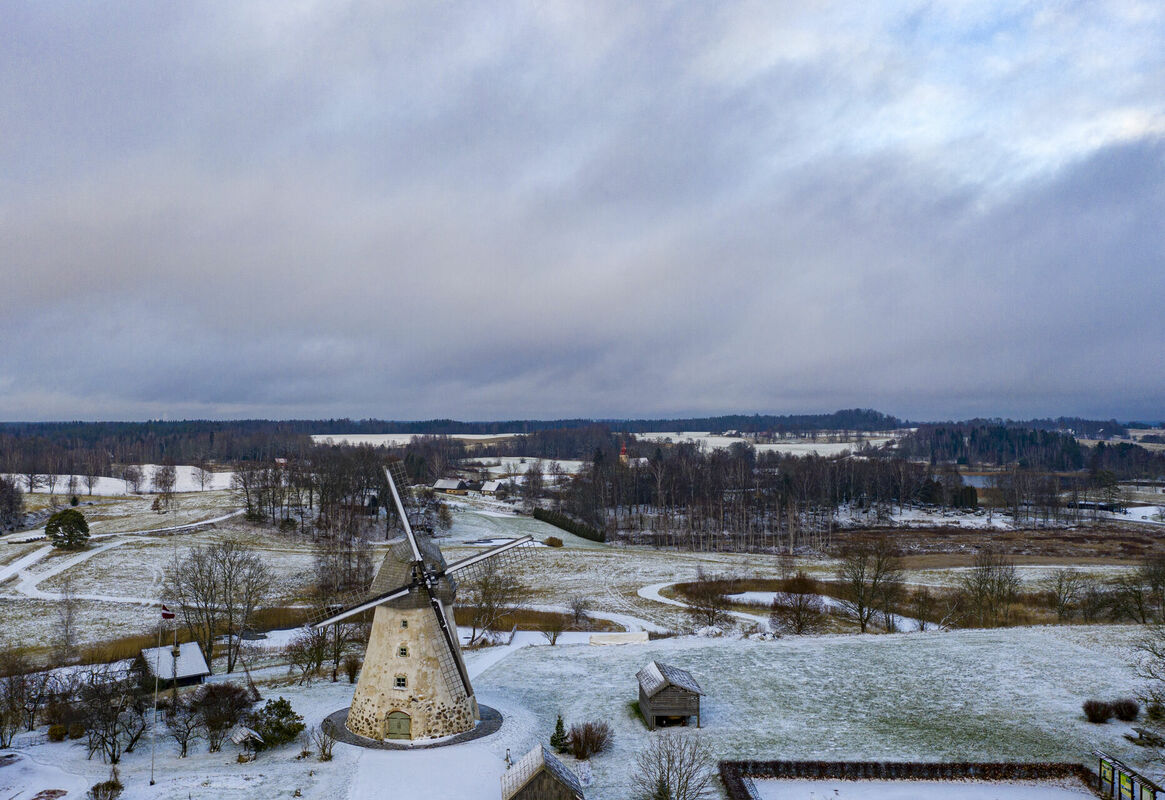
[414, 684]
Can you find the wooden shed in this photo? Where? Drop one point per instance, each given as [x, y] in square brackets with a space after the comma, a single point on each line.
[184, 663]
[668, 695]
[539, 775]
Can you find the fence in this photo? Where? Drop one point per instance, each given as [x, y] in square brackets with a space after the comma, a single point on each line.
[737, 775]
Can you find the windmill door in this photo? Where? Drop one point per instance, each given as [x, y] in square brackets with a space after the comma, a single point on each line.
[399, 726]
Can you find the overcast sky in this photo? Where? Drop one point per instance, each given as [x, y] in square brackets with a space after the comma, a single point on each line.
[494, 211]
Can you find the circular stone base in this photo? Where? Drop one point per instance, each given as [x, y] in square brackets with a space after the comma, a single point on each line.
[491, 721]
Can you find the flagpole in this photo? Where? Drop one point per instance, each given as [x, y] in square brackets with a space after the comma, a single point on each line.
[154, 726]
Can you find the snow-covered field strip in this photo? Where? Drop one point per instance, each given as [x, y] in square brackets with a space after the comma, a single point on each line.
[770, 789]
[113, 487]
[397, 439]
[800, 447]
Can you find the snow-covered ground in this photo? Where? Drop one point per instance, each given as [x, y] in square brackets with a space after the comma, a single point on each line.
[397, 439]
[995, 695]
[771, 789]
[500, 466]
[1153, 515]
[799, 447]
[185, 481]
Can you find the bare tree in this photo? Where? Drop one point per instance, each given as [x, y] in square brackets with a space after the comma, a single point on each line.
[132, 475]
[115, 713]
[707, 598]
[218, 587]
[675, 767]
[13, 689]
[164, 479]
[66, 632]
[579, 606]
[323, 740]
[1065, 586]
[990, 589]
[871, 577]
[798, 609]
[220, 707]
[553, 628]
[184, 723]
[490, 595]
[306, 653]
[203, 475]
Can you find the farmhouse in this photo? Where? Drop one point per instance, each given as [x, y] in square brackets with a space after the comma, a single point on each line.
[450, 486]
[539, 775]
[184, 663]
[668, 695]
[491, 487]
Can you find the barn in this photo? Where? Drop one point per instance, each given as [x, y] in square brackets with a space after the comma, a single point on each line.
[491, 487]
[539, 775]
[668, 695]
[450, 486]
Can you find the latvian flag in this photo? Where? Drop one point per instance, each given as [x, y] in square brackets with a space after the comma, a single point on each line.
[167, 613]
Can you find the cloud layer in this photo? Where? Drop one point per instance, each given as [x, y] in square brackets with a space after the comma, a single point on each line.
[543, 210]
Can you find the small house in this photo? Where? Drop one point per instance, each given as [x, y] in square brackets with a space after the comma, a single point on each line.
[491, 487]
[184, 663]
[668, 695]
[450, 486]
[539, 775]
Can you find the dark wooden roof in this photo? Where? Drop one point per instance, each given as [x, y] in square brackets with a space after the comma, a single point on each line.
[656, 677]
[528, 766]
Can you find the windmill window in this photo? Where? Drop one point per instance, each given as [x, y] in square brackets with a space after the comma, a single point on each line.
[403, 651]
[401, 682]
[404, 623]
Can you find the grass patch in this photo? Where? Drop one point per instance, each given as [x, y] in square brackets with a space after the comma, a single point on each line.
[529, 620]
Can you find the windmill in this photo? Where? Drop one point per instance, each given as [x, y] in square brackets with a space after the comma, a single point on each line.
[414, 684]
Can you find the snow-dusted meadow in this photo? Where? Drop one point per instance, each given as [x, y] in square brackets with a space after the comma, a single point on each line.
[799, 447]
[1011, 694]
[911, 790]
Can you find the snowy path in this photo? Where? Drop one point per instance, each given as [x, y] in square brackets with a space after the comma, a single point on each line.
[22, 564]
[29, 582]
[652, 593]
[628, 621]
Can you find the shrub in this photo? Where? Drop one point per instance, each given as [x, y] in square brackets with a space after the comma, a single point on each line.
[287, 525]
[74, 501]
[351, 667]
[107, 790]
[553, 541]
[57, 733]
[277, 723]
[1097, 711]
[76, 730]
[324, 742]
[1126, 709]
[220, 707]
[589, 738]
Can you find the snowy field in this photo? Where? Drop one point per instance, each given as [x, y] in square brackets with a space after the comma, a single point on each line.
[970, 695]
[770, 789]
[397, 439]
[823, 447]
[185, 481]
[504, 466]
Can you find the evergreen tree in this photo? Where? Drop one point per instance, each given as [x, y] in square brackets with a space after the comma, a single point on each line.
[67, 529]
[558, 738]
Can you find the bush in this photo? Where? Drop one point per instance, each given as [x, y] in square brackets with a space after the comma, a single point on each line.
[1097, 711]
[76, 730]
[277, 723]
[324, 742]
[287, 525]
[351, 667]
[57, 733]
[107, 790]
[589, 738]
[1126, 709]
[553, 541]
[558, 739]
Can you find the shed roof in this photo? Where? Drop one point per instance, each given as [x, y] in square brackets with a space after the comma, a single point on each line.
[491, 486]
[449, 483]
[528, 766]
[190, 662]
[656, 677]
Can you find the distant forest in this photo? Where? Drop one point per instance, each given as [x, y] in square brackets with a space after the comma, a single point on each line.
[97, 448]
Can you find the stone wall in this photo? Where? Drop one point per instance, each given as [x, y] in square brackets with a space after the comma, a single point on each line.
[434, 711]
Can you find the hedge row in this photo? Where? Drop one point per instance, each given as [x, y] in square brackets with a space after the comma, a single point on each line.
[734, 773]
[560, 520]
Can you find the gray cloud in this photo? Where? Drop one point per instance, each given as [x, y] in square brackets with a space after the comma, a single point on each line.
[558, 210]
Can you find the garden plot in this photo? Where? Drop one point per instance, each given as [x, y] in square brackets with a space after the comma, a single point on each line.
[772, 789]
